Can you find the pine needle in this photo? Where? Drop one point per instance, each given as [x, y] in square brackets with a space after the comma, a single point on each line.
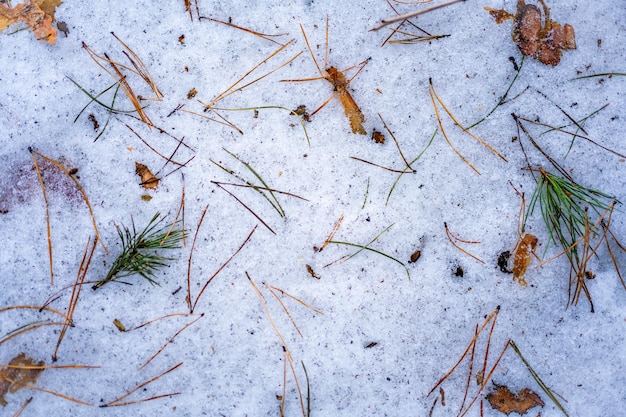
[141, 251]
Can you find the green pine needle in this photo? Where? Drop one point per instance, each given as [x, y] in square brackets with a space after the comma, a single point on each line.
[141, 250]
[565, 208]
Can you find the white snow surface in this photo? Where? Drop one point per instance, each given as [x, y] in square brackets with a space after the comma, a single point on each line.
[233, 362]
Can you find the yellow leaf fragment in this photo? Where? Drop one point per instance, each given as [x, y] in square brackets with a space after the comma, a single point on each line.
[37, 15]
[18, 374]
[148, 180]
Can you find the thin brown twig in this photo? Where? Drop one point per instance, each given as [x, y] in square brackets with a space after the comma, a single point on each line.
[21, 409]
[78, 285]
[82, 192]
[469, 346]
[170, 340]
[193, 245]
[265, 36]
[394, 19]
[223, 266]
[45, 199]
[452, 238]
[246, 207]
[284, 308]
[138, 387]
[58, 394]
[332, 233]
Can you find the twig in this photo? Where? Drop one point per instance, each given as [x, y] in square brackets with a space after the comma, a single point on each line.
[394, 19]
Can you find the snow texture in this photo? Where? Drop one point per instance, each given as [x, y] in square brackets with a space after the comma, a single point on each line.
[233, 360]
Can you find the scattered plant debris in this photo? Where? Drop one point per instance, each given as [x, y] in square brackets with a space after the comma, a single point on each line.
[505, 401]
[340, 84]
[537, 36]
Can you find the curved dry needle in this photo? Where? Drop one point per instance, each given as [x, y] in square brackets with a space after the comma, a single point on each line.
[415, 13]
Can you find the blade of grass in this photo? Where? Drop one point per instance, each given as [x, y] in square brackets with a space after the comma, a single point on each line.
[539, 381]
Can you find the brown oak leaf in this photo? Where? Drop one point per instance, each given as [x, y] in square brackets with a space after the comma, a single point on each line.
[38, 15]
[503, 400]
[535, 35]
[17, 375]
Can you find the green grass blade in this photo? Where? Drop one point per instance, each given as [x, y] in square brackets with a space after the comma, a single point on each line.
[539, 381]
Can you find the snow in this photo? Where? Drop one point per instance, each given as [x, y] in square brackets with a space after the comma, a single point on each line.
[233, 361]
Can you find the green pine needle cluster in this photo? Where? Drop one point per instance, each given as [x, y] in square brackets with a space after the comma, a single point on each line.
[565, 209]
[142, 251]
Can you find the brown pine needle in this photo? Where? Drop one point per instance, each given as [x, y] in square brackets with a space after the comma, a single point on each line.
[434, 95]
[469, 374]
[267, 312]
[452, 238]
[416, 13]
[40, 308]
[397, 171]
[49, 366]
[140, 68]
[265, 36]
[170, 340]
[246, 207]
[297, 299]
[193, 245]
[332, 234]
[443, 132]
[80, 189]
[486, 379]
[284, 308]
[158, 319]
[152, 148]
[180, 213]
[408, 165]
[58, 394]
[573, 134]
[233, 88]
[45, 199]
[29, 328]
[469, 346]
[143, 400]
[138, 387]
[78, 285]
[21, 409]
[224, 121]
[286, 350]
[221, 268]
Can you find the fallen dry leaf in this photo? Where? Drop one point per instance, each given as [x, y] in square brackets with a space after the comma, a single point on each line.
[503, 400]
[38, 15]
[148, 180]
[13, 379]
[537, 36]
[522, 258]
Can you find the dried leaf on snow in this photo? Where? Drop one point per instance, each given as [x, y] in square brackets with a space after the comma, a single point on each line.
[523, 254]
[17, 375]
[537, 36]
[38, 15]
[148, 180]
[503, 400]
